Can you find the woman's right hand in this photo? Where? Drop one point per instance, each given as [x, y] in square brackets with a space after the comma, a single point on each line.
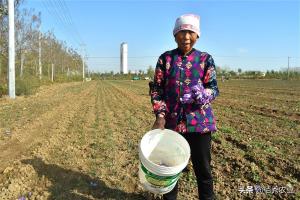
[159, 123]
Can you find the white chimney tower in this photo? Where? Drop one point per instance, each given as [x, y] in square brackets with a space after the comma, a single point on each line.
[124, 58]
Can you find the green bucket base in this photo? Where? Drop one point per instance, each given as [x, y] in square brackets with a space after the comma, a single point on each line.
[158, 181]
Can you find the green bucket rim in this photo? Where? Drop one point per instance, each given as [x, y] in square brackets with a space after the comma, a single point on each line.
[147, 172]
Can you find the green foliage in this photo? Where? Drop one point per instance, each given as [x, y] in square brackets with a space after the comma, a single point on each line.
[65, 59]
[111, 76]
[284, 75]
[293, 74]
[27, 86]
[63, 78]
[3, 89]
[215, 136]
[226, 129]
[150, 71]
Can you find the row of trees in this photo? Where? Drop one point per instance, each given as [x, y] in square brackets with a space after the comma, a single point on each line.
[149, 73]
[35, 50]
[226, 73]
[285, 74]
[40, 54]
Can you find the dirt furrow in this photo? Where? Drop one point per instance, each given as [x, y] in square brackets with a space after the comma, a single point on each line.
[15, 114]
[80, 141]
[34, 132]
[38, 144]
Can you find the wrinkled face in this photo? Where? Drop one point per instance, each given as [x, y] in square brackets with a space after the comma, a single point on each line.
[185, 40]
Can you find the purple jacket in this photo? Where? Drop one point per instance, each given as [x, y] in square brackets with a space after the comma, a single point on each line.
[184, 87]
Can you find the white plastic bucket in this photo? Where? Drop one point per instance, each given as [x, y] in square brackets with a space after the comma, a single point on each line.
[163, 155]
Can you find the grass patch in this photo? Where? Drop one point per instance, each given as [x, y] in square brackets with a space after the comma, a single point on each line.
[27, 86]
[3, 89]
[226, 129]
[265, 147]
[216, 136]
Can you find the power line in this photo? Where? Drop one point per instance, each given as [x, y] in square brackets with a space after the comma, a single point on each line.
[63, 18]
[216, 56]
[250, 56]
[71, 20]
[68, 18]
[142, 56]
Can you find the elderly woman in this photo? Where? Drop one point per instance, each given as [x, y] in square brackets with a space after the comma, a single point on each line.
[184, 86]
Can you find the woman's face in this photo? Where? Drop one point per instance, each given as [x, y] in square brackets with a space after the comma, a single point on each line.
[185, 40]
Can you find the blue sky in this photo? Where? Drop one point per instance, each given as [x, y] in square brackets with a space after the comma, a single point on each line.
[251, 35]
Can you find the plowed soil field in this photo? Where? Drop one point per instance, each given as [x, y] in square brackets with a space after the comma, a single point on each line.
[80, 141]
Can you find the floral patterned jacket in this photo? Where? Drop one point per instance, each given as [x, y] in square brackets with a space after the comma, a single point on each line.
[174, 79]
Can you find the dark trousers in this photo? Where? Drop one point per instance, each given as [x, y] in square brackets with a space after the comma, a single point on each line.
[200, 145]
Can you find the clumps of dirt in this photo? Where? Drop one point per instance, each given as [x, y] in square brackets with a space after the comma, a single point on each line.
[22, 181]
[74, 141]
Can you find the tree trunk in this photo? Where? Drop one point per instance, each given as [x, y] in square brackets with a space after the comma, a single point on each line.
[49, 72]
[22, 64]
[40, 57]
[52, 75]
[0, 65]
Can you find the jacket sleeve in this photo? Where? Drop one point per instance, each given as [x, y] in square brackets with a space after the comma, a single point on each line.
[210, 80]
[157, 92]
[203, 93]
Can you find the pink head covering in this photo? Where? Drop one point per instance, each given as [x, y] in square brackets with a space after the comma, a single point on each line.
[187, 22]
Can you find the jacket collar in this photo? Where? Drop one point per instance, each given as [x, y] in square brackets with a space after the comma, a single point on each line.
[181, 53]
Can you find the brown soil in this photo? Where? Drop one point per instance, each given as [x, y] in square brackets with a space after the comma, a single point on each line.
[80, 141]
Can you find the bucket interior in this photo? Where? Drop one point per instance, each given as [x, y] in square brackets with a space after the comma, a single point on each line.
[165, 149]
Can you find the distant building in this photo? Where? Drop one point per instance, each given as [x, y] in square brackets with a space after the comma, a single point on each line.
[124, 58]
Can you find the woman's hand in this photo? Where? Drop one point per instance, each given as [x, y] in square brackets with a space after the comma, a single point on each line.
[187, 98]
[201, 95]
[159, 123]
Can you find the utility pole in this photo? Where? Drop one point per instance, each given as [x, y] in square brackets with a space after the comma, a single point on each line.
[1, 3]
[52, 72]
[52, 63]
[83, 69]
[22, 63]
[40, 57]
[288, 68]
[11, 47]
